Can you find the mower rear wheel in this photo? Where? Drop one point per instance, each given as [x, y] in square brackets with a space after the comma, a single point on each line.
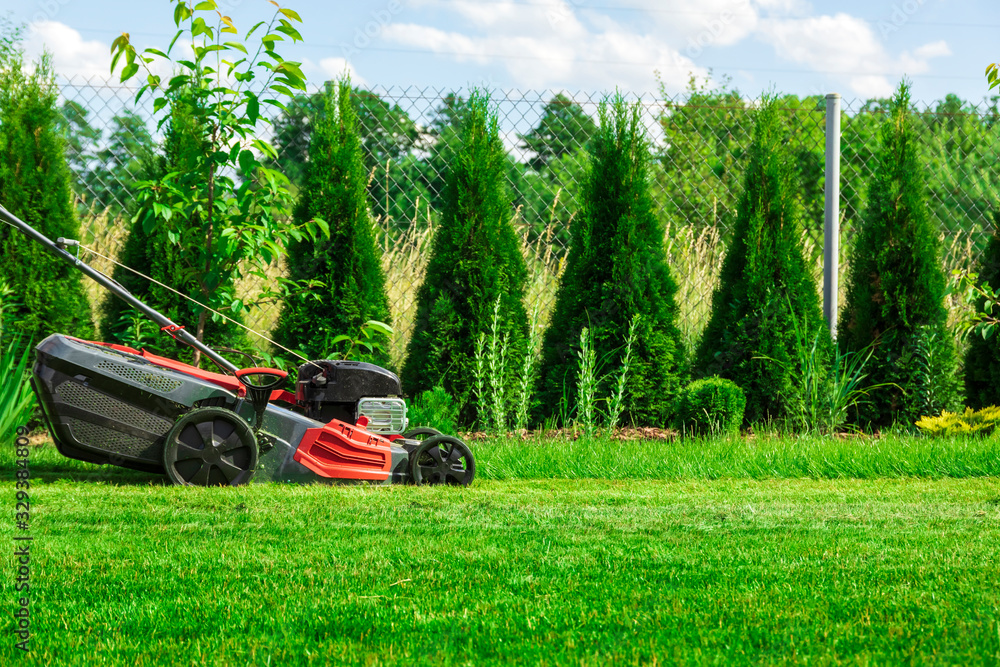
[420, 433]
[442, 459]
[210, 447]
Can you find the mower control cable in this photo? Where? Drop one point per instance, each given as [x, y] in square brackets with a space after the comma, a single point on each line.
[178, 333]
[194, 301]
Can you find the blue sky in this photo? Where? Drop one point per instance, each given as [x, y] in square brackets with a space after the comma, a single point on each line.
[857, 48]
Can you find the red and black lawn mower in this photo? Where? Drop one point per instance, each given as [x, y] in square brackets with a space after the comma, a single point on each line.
[346, 422]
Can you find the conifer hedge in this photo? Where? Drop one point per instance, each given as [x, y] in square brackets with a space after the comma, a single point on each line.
[616, 270]
[475, 260]
[151, 252]
[896, 288]
[35, 186]
[982, 359]
[348, 262]
[766, 294]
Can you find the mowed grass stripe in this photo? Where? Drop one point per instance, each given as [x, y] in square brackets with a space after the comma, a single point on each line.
[530, 572]
[761, 457]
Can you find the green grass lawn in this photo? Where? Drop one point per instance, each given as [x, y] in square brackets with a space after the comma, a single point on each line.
[684, 569]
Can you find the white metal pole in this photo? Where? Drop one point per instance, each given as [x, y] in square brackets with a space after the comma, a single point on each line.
[831, 218]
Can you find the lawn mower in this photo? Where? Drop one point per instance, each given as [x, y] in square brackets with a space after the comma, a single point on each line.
[345, 423]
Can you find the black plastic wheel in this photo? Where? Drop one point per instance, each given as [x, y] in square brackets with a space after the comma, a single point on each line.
[442, 459]
[210, 447]
[420, 432]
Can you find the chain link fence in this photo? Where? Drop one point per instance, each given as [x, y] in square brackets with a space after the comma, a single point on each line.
[697, 142]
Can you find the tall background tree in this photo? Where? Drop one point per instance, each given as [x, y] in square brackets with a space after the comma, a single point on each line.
[35, 186]
[564, 127]
[548, 185]
[766, 291]
[475, 260]
[705, 140]
[105, 172]
[896, 288]
[81, 138]
[388, 137]
[444, 137]
[617, 271]
[348, 262]
[126, 157]
[704, 155]
[961, 147]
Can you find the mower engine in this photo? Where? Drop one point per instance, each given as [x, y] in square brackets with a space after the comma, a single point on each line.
[349, 390]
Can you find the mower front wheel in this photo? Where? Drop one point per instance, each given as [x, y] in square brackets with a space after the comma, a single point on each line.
[210, 447]
[442, 459]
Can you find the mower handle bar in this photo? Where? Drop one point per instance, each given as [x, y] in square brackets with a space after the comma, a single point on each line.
[277, 376]
[175, 331]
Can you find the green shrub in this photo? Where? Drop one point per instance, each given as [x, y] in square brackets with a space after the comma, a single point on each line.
[616, 271]
[152, 252]
[896, 288]
[766, 307]
[17, 401]
[710, 406]
[348, 262]
[982, 359]
[475, 260]
[971, 422]
[35, 186]
[435, 408]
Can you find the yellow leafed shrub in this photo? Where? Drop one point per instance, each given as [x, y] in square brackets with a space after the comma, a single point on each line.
[971, 422]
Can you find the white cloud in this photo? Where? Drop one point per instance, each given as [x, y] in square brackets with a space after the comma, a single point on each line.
[847, 48]
[71, 55]
[552, 44]
[786, 7]
[455, 44]
[334, 68]
[696, 24]
[932, 50]
[562, 43]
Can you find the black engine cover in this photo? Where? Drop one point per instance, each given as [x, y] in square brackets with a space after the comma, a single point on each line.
[330, 381]
[331, 389]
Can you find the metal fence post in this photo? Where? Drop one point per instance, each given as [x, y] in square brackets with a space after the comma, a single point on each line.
[831, 217]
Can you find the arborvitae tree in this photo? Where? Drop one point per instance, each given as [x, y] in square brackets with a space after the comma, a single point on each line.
[766, 295]
[616, 271]
[348, 263]
[154, 254]
[982, 360]
[895, 294]
[35, 186]
[475, 260]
